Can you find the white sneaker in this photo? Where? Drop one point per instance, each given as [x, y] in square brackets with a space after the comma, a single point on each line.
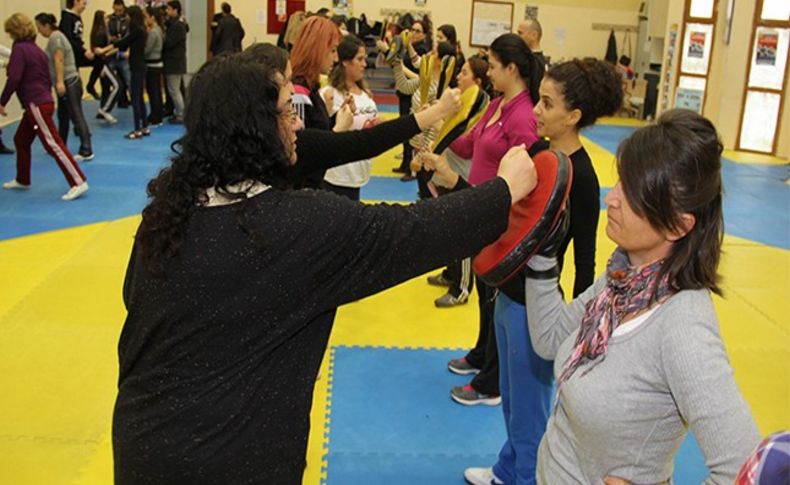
[108, 117]
[481, 476]
[13, 184]
[83, 158]
[76, 191]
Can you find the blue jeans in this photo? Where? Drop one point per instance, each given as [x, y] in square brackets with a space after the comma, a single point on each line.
[525, 381]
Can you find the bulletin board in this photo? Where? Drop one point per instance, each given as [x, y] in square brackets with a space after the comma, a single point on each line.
[278, 11]
[490, 19]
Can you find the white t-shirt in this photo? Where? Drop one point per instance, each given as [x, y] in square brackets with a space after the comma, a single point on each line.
[354, 174]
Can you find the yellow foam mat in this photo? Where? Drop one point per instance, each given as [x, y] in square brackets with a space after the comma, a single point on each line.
[750, 157]
[61, 314]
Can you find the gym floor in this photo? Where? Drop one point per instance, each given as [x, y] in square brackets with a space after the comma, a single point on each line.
[382, 409]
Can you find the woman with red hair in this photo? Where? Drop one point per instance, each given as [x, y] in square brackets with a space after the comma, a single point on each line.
[314, 53]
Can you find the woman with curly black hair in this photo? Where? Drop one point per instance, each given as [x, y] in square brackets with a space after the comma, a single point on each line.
[233, 281]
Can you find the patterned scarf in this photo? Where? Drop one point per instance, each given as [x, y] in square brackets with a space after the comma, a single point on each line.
[627, 293]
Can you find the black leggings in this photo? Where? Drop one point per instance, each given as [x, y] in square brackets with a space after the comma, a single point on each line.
[138, 102]
[153, 86]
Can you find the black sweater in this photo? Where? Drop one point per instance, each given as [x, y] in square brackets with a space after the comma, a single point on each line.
[174, 48]
[315, 117]
[585, 200]
[72, 27]
[319, 150]
[134, 40]
[218, 360]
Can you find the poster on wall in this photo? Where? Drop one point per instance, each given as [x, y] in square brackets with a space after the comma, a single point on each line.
[531, 12]
[767, 42]
[673, 36]
[489, 21]
[697, 45]
[687, 98]
[341, 7]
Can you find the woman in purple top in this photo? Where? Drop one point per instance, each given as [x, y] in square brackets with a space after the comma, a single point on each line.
[28, 77]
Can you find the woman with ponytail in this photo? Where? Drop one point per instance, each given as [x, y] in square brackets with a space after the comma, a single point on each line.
[509, 121]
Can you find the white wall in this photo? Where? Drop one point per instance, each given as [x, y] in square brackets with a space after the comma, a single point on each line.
[567, 24]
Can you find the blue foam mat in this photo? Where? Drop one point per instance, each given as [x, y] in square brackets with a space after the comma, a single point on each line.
[392, 421]
[117, 177]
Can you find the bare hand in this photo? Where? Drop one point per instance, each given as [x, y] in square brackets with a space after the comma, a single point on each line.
[2, 111]
[329, 98]
[344, 119]
[518, 170]
[416, 164]
[382, 46]
[89, 55]
[443, 175]
[60, 88]
[352, 105]
[450, 102]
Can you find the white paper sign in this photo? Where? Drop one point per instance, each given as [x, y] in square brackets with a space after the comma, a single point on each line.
[486, 31]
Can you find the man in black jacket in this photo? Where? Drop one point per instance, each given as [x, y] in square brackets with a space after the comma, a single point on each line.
[174, 58]
[228, 34]
[72, 27]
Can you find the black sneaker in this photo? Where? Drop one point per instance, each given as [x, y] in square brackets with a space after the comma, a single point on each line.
[4, 150]
[439, 280]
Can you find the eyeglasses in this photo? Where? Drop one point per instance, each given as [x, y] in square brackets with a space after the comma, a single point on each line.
[416, 31]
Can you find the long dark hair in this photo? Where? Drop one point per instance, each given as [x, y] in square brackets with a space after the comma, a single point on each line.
[98, 28]
[347, 49]
[590, 85]
[452, 37]
[136, 19]
[670, 168]
[232, 135]
[511, 49]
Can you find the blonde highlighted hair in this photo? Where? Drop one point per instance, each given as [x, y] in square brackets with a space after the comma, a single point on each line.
[20, 27]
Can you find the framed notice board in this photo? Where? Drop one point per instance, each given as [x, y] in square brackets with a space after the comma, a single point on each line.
[490, 19]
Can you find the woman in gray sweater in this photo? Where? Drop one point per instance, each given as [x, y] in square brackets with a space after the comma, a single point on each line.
[638, 356]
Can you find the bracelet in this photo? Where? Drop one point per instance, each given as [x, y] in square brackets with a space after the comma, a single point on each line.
[546, 274]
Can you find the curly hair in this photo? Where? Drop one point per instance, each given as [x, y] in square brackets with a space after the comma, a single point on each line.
[590, 85]
[232, 135]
